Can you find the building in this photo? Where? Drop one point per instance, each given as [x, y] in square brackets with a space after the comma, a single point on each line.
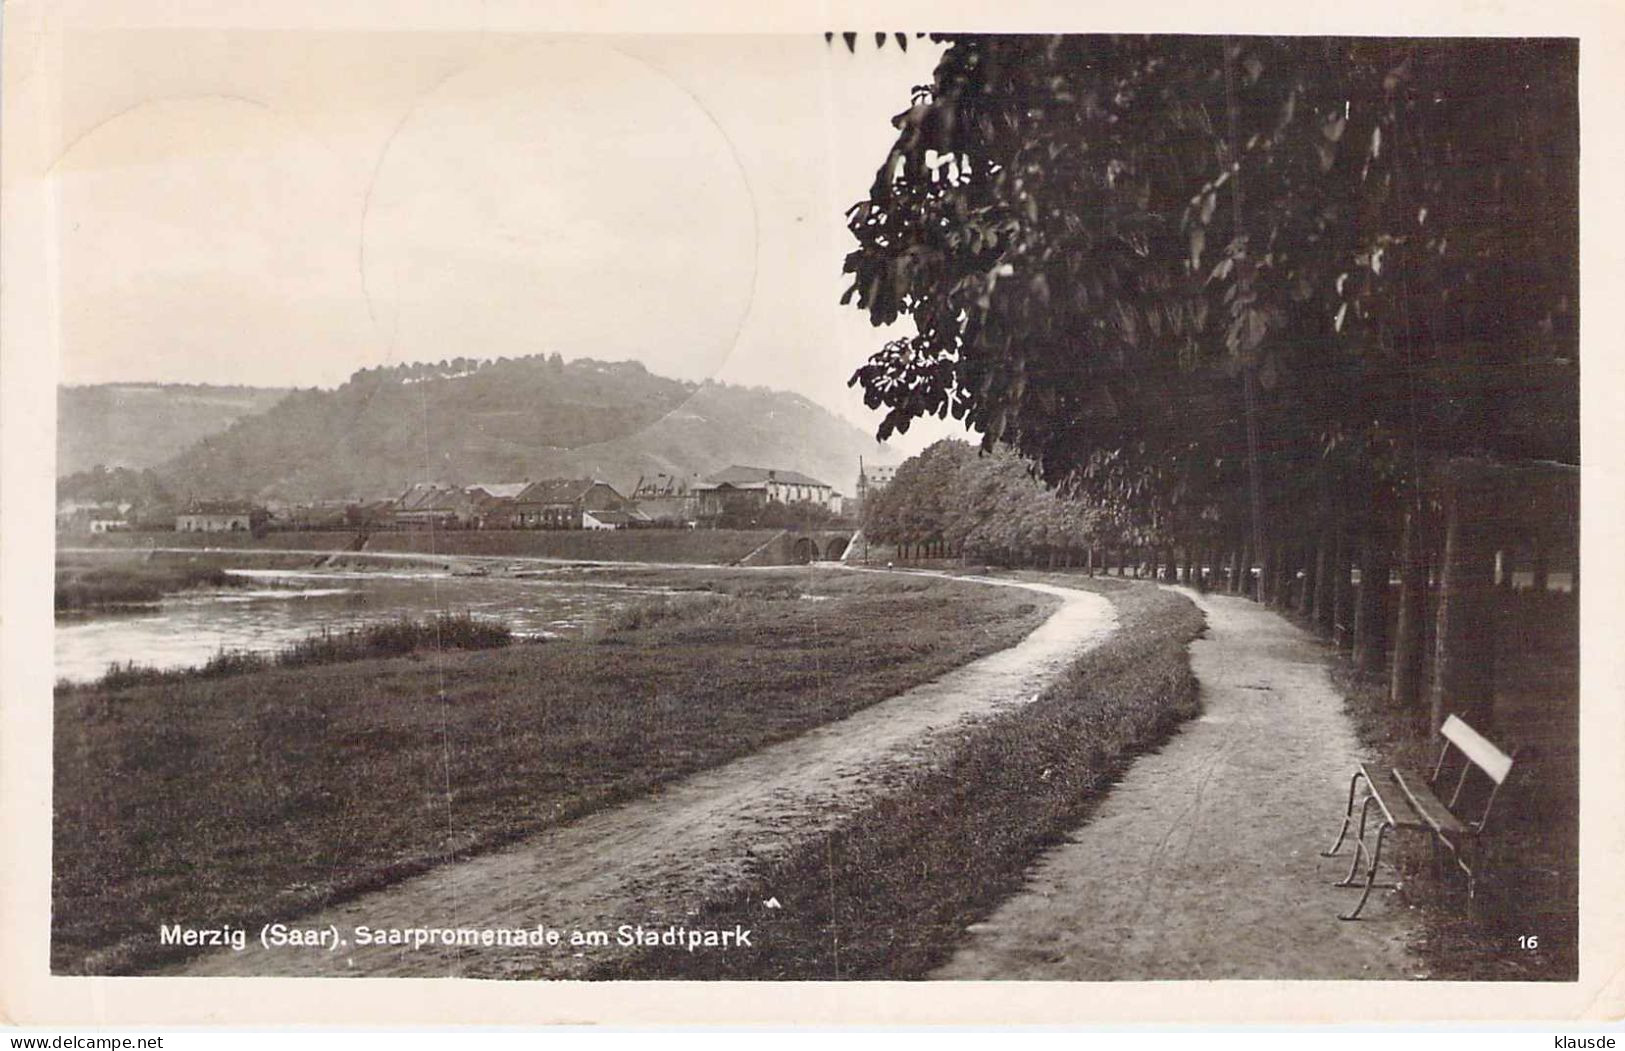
[872, 478]
[565, 503]
[611, 519]
[220, 516]
[739, 489]
[429, 505]
[667, 499]
[483, 505]
[316, 515]
[332, 515]
[494, 503]
[93, 517]
[114, 521]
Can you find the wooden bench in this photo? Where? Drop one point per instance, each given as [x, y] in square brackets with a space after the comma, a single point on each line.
[1406, 800]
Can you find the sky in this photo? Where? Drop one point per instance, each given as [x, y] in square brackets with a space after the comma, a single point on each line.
[282, 208]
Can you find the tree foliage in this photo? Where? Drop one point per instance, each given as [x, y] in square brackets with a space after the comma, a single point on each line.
[1099, 241]
[985, 506]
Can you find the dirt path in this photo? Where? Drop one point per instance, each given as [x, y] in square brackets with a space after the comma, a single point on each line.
[653, 860]
[1202, 862]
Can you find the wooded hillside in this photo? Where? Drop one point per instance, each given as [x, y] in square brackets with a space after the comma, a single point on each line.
[535, 417]
[143, 424]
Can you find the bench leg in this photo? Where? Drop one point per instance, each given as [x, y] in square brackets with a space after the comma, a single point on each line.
[1348, 817]
[1461, 863]
[1359, 846]
[1370, 874]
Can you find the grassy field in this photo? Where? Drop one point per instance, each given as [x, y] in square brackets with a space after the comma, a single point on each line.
[1531, 867]
[889, 895]
[270, 793]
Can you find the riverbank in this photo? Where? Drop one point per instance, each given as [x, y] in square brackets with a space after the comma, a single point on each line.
[394, 638]
[280, 598]
[691, 546]
[268, 794]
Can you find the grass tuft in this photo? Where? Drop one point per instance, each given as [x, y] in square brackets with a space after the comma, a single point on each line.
[82, 588]
[396, 638]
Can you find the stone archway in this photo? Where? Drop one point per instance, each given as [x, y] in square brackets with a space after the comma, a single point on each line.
[804, 550]
[836, 548]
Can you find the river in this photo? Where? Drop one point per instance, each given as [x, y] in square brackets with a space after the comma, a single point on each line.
[279, 607]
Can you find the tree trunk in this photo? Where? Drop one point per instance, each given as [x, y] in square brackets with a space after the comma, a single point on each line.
[1371, 617]
[1464, 654]
[1306, 590]
[1286, 562]
[1405, 670]
[1325, 570]
[1342, 591]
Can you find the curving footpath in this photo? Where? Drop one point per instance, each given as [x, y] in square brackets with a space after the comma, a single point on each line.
[1203, 862]
[654, 860]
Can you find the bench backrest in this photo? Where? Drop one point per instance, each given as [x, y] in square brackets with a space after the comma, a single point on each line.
[1476, 747]
[1479, 753]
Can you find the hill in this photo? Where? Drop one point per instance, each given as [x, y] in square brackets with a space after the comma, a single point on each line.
[141, 425]
[512, 419]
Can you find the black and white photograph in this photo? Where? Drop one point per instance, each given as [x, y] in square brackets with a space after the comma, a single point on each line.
[848, 504]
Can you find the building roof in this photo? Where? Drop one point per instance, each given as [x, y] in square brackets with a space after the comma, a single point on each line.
[219, 507]
[427, 496]
[662, 484]
[499, 490]
[740, 477]
[557, 490]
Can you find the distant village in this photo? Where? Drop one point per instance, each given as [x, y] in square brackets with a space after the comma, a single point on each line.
[735, 497]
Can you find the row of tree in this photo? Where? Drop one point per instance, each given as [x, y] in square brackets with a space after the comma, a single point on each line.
[949, 501]
[1309, 302]
[417, 371]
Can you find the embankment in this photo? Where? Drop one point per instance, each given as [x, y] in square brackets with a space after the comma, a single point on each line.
[697, 546]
